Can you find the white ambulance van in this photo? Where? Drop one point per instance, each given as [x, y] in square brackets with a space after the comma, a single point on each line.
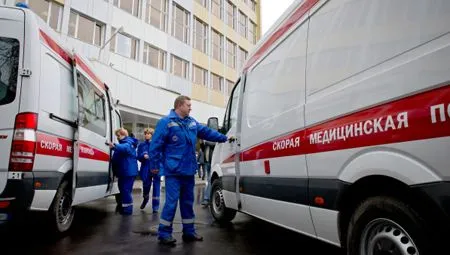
[342, 126]
[56, 116]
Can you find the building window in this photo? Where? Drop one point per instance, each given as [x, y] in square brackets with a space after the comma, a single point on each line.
[242, 56]
[180, 23]
[124, 45]
[216, 82]
[86, 29]
[252, 32]
[200, 36]
[230, 86]
[157, 13]
[231, 54]
[253, 5]
[180, 67]
[204, 3]
[51, 12]
[154, 57]
[231, 15]
[217, 45]
[242, 24]
[200, 76]
[216, 8]
[130, 6]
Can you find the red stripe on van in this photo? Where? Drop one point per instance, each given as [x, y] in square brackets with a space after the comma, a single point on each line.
[417, 117]
[286, 25]
[86, 68]
[55, 47]
[59, 147]
[54, 146]
[89, 152]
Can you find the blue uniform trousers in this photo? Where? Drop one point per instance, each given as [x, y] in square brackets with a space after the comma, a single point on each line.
[126, 188]
[178, 188]
[147, 185]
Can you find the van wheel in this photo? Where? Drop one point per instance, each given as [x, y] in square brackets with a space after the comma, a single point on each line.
[384, 225]
[62, 212]
[218, 210]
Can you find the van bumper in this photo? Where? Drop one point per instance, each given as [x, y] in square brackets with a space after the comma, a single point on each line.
[17, 195]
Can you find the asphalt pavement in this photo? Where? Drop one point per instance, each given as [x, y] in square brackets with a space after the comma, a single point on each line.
[98, 229]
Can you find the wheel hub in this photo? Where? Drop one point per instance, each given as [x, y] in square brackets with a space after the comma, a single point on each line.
[385, 237]
[218, 201]
[64, 209]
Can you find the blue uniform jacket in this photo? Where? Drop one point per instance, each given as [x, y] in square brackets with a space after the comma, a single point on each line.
[124, 158]
[143, 149]
[174, 144]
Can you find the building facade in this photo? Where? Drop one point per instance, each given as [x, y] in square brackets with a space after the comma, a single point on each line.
[150, 51]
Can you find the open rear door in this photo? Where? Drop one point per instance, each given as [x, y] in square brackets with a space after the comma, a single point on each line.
[11, 62]
[91, 154]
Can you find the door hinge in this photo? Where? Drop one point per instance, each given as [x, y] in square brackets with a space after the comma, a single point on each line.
[25, 72]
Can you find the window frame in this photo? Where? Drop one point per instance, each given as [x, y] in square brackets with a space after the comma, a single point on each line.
[49, 12]
[117, 3]
[95, 23]
[204, 73]
[232, 53]
[221, 45]
[234, 15]
[113, 45]
[162, 55]
[221, 6]
[185, 25]
[204, 35]
[184, 64]
[163, 14]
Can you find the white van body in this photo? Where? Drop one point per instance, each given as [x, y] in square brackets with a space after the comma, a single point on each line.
[342, 120]
[56, 117]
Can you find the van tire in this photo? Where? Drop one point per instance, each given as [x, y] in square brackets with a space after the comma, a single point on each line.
[62, 212]
[390, 220]
[217, 207]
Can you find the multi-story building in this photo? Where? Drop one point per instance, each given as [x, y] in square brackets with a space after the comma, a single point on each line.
[150, 51]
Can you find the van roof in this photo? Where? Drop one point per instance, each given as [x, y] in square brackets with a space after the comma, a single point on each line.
[294, 13]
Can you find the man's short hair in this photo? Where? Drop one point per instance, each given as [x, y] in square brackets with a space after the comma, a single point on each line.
[180, 101]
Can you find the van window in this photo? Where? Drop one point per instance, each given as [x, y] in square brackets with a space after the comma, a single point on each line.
[232, 109]
[91, 106]
[9, 66]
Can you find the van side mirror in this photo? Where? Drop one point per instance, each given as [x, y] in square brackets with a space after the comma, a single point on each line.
[213, 123]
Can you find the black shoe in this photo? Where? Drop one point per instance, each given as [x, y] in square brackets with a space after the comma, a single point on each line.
[144, 202]
[168, 241]
[205, 203]
[192, 238]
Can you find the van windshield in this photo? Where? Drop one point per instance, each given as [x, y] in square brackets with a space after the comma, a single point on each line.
[9, 66]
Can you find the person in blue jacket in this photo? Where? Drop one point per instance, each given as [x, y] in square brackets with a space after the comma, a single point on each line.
[174, 144]
[148, 177]
[124, 163]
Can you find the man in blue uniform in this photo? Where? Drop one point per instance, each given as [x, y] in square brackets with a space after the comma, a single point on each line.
[148, 177]
[124, 165]
[174, 143]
